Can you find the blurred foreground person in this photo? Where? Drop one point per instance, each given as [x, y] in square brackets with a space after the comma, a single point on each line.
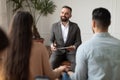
[4, 42]
[98, 58]
[27, 58]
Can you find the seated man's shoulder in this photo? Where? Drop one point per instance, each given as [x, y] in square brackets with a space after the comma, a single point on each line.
[73, 22]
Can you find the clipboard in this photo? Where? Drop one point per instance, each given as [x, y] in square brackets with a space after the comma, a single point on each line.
[60, 48]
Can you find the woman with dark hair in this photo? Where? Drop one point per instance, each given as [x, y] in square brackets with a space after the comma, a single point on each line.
[4, 42]
[27, 58]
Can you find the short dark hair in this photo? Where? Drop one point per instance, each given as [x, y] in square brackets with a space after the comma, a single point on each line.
[4, 42]
[68, 8]
[103, 16]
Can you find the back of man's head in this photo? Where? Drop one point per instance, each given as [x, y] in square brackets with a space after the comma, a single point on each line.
[102, 16]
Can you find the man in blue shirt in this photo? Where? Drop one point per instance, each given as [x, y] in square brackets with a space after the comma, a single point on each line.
[98, 58]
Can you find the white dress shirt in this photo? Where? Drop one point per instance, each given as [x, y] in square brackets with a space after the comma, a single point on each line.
[65, 30]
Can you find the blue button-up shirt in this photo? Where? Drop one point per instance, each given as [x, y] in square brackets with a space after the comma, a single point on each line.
[98, 59]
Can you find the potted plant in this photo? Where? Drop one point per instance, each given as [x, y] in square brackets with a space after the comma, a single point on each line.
[35, 7]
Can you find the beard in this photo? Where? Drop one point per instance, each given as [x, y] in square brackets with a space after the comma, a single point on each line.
[64, 19]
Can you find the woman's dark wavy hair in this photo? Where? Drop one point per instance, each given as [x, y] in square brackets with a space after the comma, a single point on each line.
[17, 63]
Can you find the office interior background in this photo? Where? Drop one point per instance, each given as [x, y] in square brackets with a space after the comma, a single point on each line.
[82, 10]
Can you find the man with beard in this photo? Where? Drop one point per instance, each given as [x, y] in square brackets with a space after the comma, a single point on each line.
[65, 38]
[99, 57]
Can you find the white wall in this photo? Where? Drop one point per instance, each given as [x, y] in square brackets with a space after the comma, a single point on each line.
[81, 14]
[3, 15]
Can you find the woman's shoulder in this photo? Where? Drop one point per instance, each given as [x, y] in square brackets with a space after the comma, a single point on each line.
[37, 44]
[38, 50]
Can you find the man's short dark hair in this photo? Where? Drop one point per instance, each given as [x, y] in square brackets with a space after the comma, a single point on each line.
[68, 8]
[102, 16]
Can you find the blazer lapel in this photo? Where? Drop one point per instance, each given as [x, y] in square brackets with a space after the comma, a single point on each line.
[69, 32]
[60, 32]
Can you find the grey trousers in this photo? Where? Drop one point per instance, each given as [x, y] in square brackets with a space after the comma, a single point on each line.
[58, 57]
